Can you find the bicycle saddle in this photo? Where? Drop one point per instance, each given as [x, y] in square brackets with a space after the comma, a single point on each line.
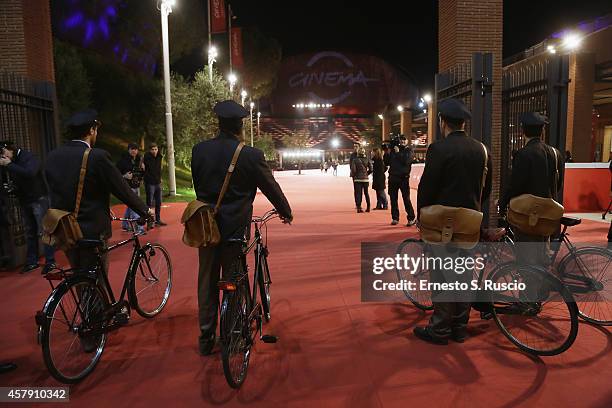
[570, 221]
[89, 243]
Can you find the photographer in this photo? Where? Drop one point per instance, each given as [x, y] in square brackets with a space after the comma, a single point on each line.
[131, 168]
[399, 160]
[24, 170]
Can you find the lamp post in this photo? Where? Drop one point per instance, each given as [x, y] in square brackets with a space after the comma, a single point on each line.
[212, 58]
[232, 81]
[166, 9]
[431, 118]
[244, 95]
[252, 106]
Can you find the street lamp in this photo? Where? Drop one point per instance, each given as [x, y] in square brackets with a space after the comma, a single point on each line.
[572, 41]
[258, 117]
[252, 105]
[551, 49]
[166, 9]
[380, 116]
[335, 143]
[244, 95]
[212, 58]
[400, 108]
[427, 98]
[232, 81]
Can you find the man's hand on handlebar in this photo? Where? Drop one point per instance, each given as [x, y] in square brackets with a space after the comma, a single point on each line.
[147, 218]
[287, 220]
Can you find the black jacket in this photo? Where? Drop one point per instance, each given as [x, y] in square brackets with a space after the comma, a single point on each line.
[399, 163]
[209, 162]
[361, 169]
[533, 172]
[128, 164]
[101, 180]
[453, 173]
[378, 174]
[153, 168]
[26, 173]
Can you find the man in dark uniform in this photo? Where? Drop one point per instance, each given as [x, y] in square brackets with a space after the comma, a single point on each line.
[152, 180]
[534, 172]
[26, 173]
[209, 164]
[399, 160]
[452, 177]
[101, 180]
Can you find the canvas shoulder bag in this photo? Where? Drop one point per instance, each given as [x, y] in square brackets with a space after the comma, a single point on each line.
[441, 224]
[201, 229]
[61, 228]
[537, 216]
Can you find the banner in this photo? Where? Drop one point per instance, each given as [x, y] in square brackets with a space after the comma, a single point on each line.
[218, 16]
[237, 59]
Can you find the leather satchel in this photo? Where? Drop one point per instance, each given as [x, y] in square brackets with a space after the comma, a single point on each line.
[61, 228]
[199, 218]
[537, 216]
[441, 224]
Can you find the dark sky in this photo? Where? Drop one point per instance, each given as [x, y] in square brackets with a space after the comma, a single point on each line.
[402, 32]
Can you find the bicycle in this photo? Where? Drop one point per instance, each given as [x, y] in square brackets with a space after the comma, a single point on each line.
[543, 323]
[242, 316]
[82, 309]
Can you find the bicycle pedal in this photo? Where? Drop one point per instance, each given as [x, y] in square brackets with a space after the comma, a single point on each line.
[268, 338]
[486, 315]
[121, 319]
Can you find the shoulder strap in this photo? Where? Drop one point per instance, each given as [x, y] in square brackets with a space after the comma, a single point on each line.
[81, 182]
[484, 170]
[228, 175]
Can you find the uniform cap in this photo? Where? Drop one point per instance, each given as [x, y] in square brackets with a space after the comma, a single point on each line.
[83, 118]
[454, 109]
[534, 119]
[230, 109]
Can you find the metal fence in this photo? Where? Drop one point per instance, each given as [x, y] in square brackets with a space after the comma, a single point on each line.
[538, 84]
[27, 118]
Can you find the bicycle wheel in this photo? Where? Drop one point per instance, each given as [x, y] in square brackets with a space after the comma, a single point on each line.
[420, 298]
[543, 319]
[587, 273]
[236, 332]
[264, 287]
[151, 282]
[72, 334]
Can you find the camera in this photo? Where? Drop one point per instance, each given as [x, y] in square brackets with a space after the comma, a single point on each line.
[395, 140]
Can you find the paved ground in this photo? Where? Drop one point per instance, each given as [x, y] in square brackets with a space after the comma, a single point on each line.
[334, 350]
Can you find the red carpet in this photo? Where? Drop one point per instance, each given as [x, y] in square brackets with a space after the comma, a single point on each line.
[333, 349]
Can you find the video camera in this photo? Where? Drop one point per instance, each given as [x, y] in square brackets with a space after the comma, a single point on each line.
[395, 140]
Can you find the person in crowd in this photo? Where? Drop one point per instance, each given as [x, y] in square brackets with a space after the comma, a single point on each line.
[102, 178]
[534, 172]
[152, 181]
[399, 160]
[7, 367]
[335, 167]
[322, 166]
[361, 168]
[379, 180]
[132, 169]
[353, 156]
[25, 171]
[209, 164]
[452, 177]
[326, 166]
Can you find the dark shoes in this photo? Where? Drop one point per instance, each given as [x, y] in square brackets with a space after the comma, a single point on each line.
[207, 344]
[394, 222]
[459, 336]
[423, 333]
[6, 367]
[359, 210]
[160, 223]
[368, 209]
[29, 268]
[411, 223]
[48, 268]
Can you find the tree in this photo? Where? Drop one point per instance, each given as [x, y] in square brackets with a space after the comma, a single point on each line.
[192, 111]
[265, 143]
[71, 80]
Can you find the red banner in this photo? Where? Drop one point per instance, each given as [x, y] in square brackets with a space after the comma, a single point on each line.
[237, 59]
[218, 16]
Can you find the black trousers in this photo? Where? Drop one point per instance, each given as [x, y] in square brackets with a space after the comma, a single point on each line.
[213, 261]
[400, 184]
[87, 258]
[361, 188]
[610, 233]
[154, 198]
[451, 308]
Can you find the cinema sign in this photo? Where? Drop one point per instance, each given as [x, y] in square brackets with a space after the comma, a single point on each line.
[351, 83]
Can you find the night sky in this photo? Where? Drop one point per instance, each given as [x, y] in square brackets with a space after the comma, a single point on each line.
[401, 32]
